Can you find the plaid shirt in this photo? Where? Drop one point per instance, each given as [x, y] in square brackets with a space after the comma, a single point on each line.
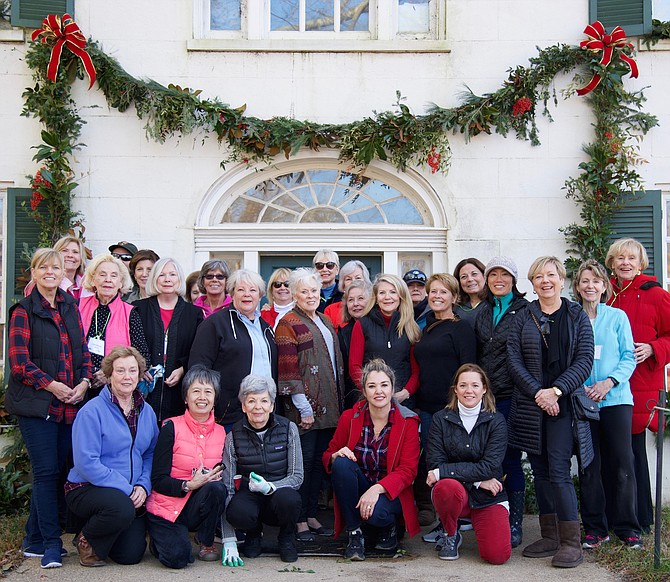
[24, 368]
[370, 451]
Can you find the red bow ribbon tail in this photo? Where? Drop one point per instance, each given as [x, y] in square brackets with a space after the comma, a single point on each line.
[634, 72]
[592, 84]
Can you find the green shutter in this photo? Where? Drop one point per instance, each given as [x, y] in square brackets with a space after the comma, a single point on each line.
[31, 13]
[22, 234]
[642, 220]
[634, 16]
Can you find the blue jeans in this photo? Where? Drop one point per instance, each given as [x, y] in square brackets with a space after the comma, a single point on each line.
[49, 445]
[349, 483]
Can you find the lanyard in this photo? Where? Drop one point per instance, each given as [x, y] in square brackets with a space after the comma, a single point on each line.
[97, 334]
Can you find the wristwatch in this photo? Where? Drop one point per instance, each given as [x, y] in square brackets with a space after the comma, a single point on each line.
[557, 391]
[184, 487]
[615, 382]
[88, 381]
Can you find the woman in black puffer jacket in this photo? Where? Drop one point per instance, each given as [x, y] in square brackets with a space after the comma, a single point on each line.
[494, 321]
[550, 355]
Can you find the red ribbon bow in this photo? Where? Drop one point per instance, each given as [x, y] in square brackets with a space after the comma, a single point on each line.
[599, 41]
[66, 33]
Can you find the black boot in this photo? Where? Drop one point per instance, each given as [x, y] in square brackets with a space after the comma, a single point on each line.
[517, 502]
[287, 549]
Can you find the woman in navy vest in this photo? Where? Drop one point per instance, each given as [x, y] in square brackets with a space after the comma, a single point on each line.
[50, 372]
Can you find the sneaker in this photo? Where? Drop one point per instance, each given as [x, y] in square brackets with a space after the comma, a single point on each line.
[465, 525]
[252, 545]
[448, 546]
[355, 549]
[52, 558]
[36, 550]
[592, 541]
[387, 540]
[208, 553]
[633, 542]
[433, 534]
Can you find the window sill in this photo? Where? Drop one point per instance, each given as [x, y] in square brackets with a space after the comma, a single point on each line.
[661, 45]
[11, 35]
[319, 46]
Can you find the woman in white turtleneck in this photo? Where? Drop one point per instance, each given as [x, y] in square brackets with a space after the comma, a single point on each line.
[466, 445]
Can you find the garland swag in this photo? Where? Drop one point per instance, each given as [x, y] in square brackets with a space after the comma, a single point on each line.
[607, 180]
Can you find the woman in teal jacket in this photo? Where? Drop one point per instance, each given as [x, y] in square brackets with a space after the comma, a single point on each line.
[607, 486]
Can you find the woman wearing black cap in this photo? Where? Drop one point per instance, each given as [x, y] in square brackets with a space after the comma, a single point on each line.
[492, 327]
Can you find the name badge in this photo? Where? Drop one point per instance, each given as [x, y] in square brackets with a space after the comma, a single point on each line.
[96, 346]
[598, 351]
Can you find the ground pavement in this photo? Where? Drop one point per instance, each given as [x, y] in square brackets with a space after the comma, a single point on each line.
[420, 565]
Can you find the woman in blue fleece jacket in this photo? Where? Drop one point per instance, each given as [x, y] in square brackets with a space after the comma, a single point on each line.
[607, 486]
[113, 440]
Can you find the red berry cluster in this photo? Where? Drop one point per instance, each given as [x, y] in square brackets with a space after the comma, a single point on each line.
[433, 160]
[521, 106]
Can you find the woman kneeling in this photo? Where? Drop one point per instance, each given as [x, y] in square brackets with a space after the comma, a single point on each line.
[466, 446]
[373, 458]
[188, 494]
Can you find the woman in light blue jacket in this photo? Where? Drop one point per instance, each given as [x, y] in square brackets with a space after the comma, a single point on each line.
[608, 489]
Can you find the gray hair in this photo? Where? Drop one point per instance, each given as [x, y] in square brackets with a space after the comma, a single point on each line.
[326, 255]
[212, 265]
[94, 265]
[201, 373]
[245, 276]
[255, 384]
[303, 275]
[348, 268]
[151, 288]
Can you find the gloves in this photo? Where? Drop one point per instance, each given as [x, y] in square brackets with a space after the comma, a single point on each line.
[259, 485]
[231, 556]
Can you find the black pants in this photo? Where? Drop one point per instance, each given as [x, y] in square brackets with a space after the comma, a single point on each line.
[608, 492]
[554, 489]
[645, 506]
[202, 513]
[111, 526]
[314, 443]
[249, 511]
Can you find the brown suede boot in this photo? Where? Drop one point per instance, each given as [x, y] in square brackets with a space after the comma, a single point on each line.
[548, 544]
[570, 552]
[87, 556]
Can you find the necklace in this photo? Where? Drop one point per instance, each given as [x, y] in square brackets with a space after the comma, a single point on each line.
[616, 295]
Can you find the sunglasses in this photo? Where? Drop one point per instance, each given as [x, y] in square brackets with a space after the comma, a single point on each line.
[218, 277]
[329, 265]
[545, 328]
[122, 257]
[280, 284]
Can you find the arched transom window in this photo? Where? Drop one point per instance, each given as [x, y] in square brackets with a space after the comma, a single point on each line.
[325, 196]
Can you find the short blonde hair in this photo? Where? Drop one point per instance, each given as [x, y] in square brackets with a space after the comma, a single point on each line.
[622, 245]
[62, 242]
[449, 281]
[245, 276]
[541, 262]
[41, 256]
[282, 273]
[599, 272]
[151, 289]
[126, 281]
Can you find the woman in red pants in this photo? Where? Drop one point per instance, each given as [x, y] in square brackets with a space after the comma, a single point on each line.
[466, 445]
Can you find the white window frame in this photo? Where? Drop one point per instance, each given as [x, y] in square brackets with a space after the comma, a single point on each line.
[255, 33]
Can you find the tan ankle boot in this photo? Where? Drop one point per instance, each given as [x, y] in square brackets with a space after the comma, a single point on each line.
[570, 552]
[548, 544]
[87, 556]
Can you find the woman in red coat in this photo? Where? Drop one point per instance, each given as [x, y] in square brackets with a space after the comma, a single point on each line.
[373, 459]
[647, 306]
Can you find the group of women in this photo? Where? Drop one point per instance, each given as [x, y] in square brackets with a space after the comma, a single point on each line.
[332, 381]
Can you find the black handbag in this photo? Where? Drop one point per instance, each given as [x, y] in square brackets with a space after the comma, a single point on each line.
[584, 408]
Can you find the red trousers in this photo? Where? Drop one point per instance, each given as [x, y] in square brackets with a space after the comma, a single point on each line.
[491, 524]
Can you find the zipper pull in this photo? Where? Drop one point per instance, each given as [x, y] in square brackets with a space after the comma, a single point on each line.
[389, 344]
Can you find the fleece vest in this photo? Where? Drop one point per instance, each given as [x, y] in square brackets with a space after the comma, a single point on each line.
[195, 443]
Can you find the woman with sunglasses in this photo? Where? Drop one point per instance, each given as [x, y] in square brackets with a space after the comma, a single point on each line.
[280, 298]
[327, 263]
[550, 355]
[212, 285]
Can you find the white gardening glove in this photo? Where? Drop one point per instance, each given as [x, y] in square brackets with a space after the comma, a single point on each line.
[231, 556]
[259, 485]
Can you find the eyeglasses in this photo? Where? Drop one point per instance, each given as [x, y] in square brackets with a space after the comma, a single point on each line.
[329, 265]
[218, 277]
[280, 284]
[122, 257]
